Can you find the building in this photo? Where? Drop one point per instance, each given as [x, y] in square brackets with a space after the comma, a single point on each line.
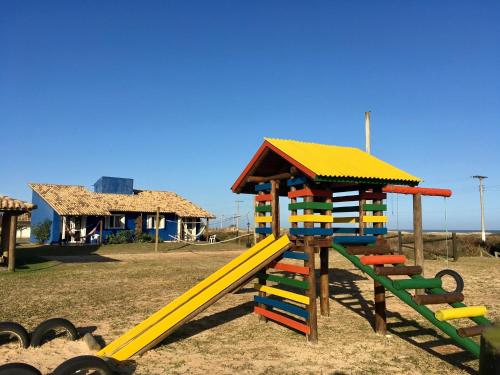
[78, 215]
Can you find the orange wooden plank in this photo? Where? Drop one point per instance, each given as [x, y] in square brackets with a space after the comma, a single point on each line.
[290, 268]
[383, 259]
[282, 319]
[263, 198]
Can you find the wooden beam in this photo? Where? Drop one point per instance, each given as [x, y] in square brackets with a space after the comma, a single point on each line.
[311, 278]
[379, 290]
[12, 242]
[5, 235]
[324, 280]
[418, 234]
[275, 208]
[157, 228]
[280, 176]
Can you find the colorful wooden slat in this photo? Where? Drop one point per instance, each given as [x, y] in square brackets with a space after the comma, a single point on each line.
[263, 187]
[263, 230]
[373, 196]
[289, 268]
[375, 219]
[374, 207]
[382, 259]
[347, 219]
[354, 240]
[295, 255]
[283, 320]
[301, 180]
[266, 208]
[460, 312]
[263, 198]
[373, 231]
[285, 281]
[288, 307]
[263, 219]
[311, 231]
[367, 196]
[282, 293]
[310, 219]
[310, 206]
[418, 283]
[309, 193]
[346, 209]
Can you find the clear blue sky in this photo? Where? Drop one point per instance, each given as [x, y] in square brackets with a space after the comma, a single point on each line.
[179, 94]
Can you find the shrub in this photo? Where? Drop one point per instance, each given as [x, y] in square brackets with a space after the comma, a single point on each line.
[41, 231]
[123, 236]
[144, 237]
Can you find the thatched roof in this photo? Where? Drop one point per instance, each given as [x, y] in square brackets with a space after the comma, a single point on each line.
[77, 200]
[8, 204]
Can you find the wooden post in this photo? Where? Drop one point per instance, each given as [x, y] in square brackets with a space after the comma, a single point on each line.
[418, 235]
[157, 228]
[454, 246]
[206, 230]
[100, 231]
[12, 242]
[311, 278]
[275, 208]
[489, 358]
[262, 281]
[378, 289]
[324, 280]
[5, 235]
[400, 242]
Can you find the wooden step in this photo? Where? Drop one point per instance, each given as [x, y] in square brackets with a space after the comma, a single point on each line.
[369, 250]
[433, 299]
[471, 331]
[382, 259]
[400, 270]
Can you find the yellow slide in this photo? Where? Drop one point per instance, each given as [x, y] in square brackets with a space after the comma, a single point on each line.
[158, 326]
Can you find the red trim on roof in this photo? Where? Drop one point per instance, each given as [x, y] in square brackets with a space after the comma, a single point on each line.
[258, 154]
[417, 190]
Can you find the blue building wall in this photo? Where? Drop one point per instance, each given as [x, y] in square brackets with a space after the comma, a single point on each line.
[45, 212]
[114, 185]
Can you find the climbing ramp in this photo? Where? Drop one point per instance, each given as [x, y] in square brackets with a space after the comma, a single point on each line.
[158, 326]
[386, 264]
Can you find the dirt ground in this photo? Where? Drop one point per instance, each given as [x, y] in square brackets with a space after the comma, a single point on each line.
[108, 295]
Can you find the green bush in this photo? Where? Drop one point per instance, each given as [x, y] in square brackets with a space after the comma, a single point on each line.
[41, 231]
[123, 236]
[144, 237]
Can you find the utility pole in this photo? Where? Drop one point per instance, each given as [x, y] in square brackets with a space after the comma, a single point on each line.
[481, 200]
[368, 147]
[238, 216]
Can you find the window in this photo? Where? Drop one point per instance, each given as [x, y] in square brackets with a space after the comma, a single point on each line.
[150, 222]
[115, 222]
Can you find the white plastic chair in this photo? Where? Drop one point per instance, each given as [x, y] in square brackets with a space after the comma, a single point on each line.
[211, 239]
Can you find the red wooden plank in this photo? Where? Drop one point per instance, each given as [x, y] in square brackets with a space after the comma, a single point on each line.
[417, 190]
[346, 198]
[383, 259]
[290, 268]
[373, 196]
[309, 193]
[263, 198]
[282, 319]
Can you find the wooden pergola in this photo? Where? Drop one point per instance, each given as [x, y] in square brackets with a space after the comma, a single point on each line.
[10, 209]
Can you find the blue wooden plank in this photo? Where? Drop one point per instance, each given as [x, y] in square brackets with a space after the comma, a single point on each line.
[311, 231]
[297, 181]
[263, 230]
[354, 239]
[288, 307]
[262, 187]
[295, 255]
[374, 231]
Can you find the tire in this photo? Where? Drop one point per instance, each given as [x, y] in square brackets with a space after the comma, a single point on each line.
[41, 332]
[18, 369]
[14, 330]
[73, 366]
[456, 276]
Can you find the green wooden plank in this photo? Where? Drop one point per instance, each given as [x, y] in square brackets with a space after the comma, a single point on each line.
[285, 281]
[417, 283]
[266, 208]
[346, 209]
[310, 206]
[375, 207]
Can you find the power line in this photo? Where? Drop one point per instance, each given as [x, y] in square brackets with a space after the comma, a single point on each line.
[481, 200]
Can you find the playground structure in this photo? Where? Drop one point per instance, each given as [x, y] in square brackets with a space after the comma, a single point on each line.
[336, 202]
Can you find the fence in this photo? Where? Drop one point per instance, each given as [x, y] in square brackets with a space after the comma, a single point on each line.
[409, 245]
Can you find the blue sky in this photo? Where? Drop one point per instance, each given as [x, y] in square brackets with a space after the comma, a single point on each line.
[179, 94]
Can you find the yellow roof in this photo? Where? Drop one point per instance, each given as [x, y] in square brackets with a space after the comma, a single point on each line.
[339, 162]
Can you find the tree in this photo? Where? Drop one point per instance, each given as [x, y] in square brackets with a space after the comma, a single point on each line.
[41, 231]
